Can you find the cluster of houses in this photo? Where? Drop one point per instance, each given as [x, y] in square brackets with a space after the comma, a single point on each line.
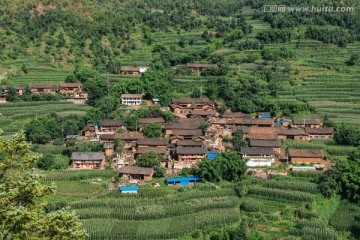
[185, 143]
[73, 90]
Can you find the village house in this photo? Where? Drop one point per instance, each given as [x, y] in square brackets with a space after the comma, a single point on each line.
[88, 160]
[258, 157]
[111, 125]
[269, 143]
[262, 133]
[320, 133]
[184, 106]
[189, 156]
[189, 143]
[130, 139]
[296, 156]
[152, 142]
[70, 88]
[133, 70]
[109, 149]
[88, 130]
[230, 115]
[310, 123]
[203, 113]
[131, 99]
[144, 121]
[187, 134]
[107, 138]
[18, 88]
[199, 67]
[197, 121]
[138, 173]
[169, 128]
[292, 133]
[42, 88]
[80, 95]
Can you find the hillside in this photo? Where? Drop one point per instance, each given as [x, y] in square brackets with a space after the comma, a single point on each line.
[292, 64]
[51, 39]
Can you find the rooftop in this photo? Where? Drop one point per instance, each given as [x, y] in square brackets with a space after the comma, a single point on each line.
[190, 100]
[191, 150]
[151, 120]
[326, 130]
[181, 132]
[160, 150]
[306, 153]
[112, 123]
[265, 143]
[189, 143]
[307, 121]
[153, 142]
[87, 156]
[132, 95]
[129, 136]
[256, 151]
[136, 170]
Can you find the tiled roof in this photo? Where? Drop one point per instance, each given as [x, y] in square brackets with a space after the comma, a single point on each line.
[306, 153]
[326, 130]
[181, 132]
[111, 123]
[257, 151]
[160, 150]
[265, 143]
[191, 150]
[151, 120]
[129, 136]
[136, 170]
[85, 156]
[307, 121]
[153, 142]
[189, 143]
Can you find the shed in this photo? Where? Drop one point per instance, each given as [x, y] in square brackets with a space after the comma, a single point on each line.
[183, 181]
[129, 189]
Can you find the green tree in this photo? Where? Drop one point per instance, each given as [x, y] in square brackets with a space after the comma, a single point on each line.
[97, 88]
[354, 59]
[238, 140]
[204, 126]
[43, 129]
[152, 130]
[12, 95]
[25, 68]
[22, 204]
[107, 104]
[227, 166]
[149, 159]
[46, 162]
[329, 183]
[347, 135]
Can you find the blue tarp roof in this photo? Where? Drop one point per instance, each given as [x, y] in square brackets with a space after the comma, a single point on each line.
[129, 188]
[183, 180]
[264, 115]
[212, 155]
[283, 120]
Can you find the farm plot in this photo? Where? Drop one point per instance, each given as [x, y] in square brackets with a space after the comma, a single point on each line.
[40, 75]
[15, 115]
[157, 214]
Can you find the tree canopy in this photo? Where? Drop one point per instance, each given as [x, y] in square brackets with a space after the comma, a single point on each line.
[227, 166]
[22, 214]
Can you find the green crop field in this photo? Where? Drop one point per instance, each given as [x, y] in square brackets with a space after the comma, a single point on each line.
[15, 115]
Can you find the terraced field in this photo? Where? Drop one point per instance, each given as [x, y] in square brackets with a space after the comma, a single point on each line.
[40, 75]
[15, 115]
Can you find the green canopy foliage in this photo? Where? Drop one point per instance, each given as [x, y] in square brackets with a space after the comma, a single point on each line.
[22, 204]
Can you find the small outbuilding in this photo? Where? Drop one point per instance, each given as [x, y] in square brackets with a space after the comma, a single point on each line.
[129, 189]
[182, 181]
